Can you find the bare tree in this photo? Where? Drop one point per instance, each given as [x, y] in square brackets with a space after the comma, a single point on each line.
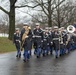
[64, 14]
[11, 14]
[46, 6]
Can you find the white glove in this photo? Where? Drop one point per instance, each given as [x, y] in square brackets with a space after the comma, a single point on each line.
[19, 41]
[26, 37]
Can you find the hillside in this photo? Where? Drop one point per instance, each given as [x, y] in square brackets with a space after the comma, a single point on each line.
[6, 45]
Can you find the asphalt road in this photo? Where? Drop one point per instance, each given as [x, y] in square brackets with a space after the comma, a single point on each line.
[65, 65]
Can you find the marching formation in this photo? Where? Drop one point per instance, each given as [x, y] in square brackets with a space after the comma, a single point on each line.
[43, 41]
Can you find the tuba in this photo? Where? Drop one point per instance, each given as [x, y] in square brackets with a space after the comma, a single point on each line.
[71, 29]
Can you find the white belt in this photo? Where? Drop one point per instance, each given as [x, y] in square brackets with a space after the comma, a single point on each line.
[17, 40]
[55, 38]
[37, 36]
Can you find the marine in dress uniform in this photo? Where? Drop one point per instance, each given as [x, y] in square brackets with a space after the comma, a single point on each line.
[56, 41]
[73, 41]
[50, 40]
[37, 39]
[62, 49]
[45, 42]
[16, 41]
[27, 42]
[69, 42]
[64, 36]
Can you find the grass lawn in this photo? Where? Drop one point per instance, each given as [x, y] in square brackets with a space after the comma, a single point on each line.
[6, 45]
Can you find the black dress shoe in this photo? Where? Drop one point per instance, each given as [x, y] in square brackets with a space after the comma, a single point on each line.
[60, 55]
[51, 53]
[56, 56]
[17, 56]
[38, 56]
[20, 56]
[43, 55]
[24, 60]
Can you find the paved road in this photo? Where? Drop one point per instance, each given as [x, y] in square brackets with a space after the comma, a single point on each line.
[65, 65]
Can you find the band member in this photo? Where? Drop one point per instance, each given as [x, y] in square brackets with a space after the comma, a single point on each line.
[22, 31]
[61, 41]
[50, 40]
[26, 42]
[64, 35]
[45, 42]
[16, 41]
[48, 35]
[73, 41]
[68, 42]
[56, 41]
[38, 33]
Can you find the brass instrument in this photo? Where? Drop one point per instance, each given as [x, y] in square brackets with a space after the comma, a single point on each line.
[60, 36]
[68, 39]
[25, 35]
[71, 30]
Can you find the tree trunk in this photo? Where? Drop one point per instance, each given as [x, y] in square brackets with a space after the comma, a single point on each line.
[59, 19]
[49, 21]
[11, 20]
[50, 14]
[58, 11]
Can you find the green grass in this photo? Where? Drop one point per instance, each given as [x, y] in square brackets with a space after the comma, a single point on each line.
[6, 45]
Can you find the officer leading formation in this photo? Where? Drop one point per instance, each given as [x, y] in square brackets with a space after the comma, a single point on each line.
[49, 41]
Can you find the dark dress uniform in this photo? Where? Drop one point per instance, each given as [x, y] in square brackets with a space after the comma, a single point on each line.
[50, 42]
[28, 41]
[73, 41]
[69, 40]
[45, 43]
[61, 43]
[64, 36]
[37, 39]
[56, 42]
[27, 45]
[16, 41]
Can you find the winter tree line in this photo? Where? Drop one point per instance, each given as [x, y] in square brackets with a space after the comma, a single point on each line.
[49, 13]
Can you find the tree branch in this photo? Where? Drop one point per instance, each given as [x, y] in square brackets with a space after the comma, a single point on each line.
[27, 6]
[4, 10]
[58, 4]
[42, 7]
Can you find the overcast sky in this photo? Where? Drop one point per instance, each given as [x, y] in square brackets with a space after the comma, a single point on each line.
[20, 16]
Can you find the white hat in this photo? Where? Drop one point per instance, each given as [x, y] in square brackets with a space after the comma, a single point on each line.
[46, 28]
[37, 24]
[17, 29]
[55, 27]
[25, 24]
[50, 28]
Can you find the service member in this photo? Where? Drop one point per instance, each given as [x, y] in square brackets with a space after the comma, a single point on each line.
[26, 42]
[16, 41]
[37, 36]
[56, 41]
